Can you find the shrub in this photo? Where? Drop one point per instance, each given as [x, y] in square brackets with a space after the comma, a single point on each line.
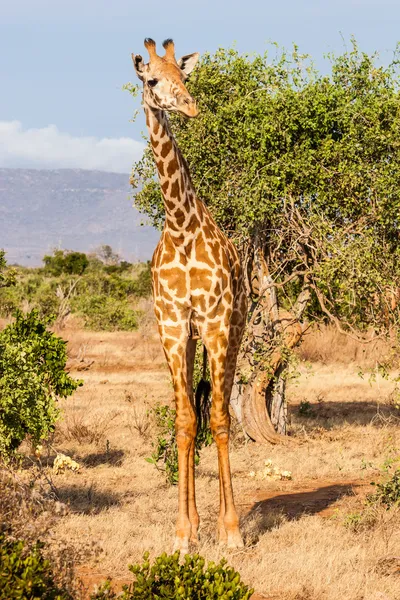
[166, 449]
[102, 312]
[25, 574]
[142, 283]
[169, 579]
[387, 492]
[32, 375]
[64, 261]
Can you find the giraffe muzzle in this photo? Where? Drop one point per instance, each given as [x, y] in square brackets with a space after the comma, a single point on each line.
[188, 107]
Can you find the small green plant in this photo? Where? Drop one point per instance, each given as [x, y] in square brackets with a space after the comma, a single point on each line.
[361, 521]
[25, 574]
[305, 409]
[168, 579]
[32, 376]
[166, 449]
[387, 492]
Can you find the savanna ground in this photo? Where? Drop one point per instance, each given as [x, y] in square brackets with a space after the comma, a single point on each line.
[304, 538]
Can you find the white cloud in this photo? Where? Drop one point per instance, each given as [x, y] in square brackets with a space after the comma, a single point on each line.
[49, 148]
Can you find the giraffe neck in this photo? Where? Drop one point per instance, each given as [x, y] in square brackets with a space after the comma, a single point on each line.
[176, 184]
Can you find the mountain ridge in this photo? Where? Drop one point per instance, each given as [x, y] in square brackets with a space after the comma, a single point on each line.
[74, 209]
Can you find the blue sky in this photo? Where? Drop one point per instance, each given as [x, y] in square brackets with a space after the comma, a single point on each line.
[63, 63]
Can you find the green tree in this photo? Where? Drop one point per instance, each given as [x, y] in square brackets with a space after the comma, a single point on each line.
[302, 171]
[32, 376]
[65, 261]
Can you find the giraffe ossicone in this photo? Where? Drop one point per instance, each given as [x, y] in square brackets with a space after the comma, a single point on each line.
[198, 286]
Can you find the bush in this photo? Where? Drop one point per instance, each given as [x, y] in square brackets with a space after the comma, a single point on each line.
[166, 449]
[104, 313]
[64, 261]
[32, 375]
[169, 579]
[26, 574]
[142, 284]
[387, 492]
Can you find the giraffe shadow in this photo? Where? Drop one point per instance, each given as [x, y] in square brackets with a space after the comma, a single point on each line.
[269, 513]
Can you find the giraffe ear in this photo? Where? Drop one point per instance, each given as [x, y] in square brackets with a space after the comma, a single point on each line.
[139, 65]
[188, 62]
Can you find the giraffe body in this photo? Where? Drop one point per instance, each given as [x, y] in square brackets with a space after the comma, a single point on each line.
[197, 287]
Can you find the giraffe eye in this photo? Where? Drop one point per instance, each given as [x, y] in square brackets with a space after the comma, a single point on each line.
[152, 82]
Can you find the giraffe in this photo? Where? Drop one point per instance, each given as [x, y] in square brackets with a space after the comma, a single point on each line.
[198, 291]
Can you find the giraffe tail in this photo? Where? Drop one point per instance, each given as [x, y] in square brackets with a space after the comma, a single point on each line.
[202, 396]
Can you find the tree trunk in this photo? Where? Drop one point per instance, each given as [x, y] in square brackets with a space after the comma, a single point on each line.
[258, 395]
[276, 401]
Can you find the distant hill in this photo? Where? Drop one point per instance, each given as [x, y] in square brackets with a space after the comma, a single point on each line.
[71, 209]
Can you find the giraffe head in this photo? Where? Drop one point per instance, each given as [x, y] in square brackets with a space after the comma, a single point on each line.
[163, 79]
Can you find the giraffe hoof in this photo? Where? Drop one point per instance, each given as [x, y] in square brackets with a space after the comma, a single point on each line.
[181, 544]
[234, 540]
[222, 539]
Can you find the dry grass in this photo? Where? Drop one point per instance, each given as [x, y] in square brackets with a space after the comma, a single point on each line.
[328, 346]
[297, 544]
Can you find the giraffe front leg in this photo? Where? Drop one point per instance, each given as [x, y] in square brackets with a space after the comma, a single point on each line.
[221, 531]
[185, 429]
[183, 522]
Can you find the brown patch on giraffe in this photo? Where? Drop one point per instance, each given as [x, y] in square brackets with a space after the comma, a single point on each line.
[200, 279]
[169, 252]
[202, 253]
[167, 296]
[176, 363]
[186, 204]
[164, 187]
[189, 245]
[169, 204]
[217, 289]
[171, 225]
[172, 167]
[166, 148]
[199, 303]
[168, 344]
[176, 279]
[173, 331]
[215, 250]
[154, 142]
[228, 297]
[193, 224]
[175, 189]
[160, 167]
[180, 217]
[156, 127]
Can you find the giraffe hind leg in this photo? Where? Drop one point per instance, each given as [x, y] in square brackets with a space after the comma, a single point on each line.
[228, 521]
